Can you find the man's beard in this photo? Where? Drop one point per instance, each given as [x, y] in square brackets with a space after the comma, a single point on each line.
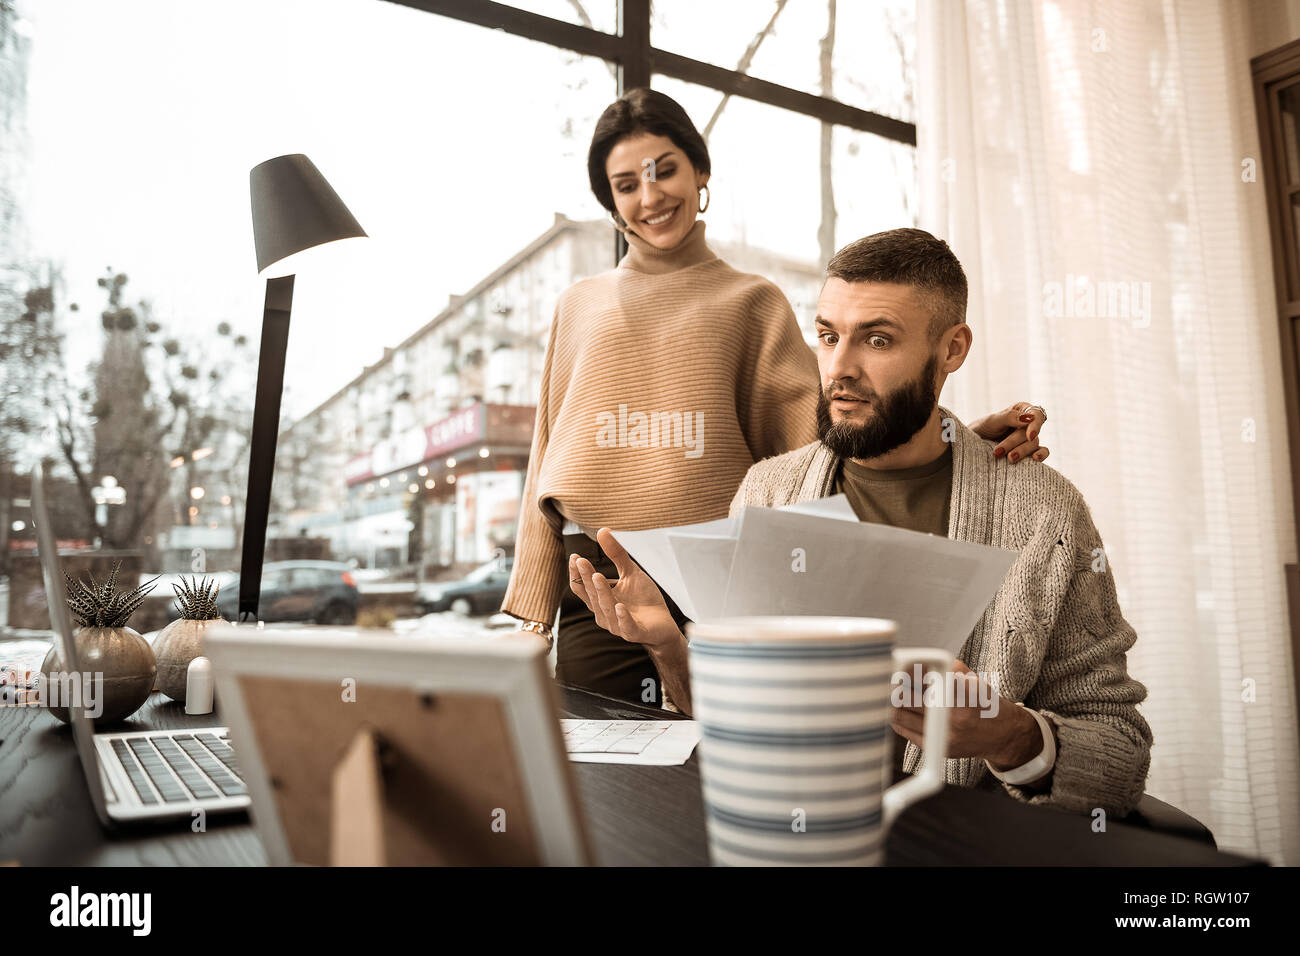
[898, 416]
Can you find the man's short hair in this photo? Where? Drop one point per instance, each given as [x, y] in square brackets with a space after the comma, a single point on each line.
[908, 257]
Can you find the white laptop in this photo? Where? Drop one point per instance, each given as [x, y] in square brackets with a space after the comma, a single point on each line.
[137, 775]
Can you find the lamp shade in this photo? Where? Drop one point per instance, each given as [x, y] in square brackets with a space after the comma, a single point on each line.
[295, 209]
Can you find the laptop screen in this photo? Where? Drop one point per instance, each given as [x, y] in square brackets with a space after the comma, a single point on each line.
[61, 623]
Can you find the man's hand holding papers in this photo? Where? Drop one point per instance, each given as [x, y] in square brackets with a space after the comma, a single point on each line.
[982, 723]
[933, 587]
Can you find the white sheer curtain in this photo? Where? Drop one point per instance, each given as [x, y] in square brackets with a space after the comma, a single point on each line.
[1069, 148]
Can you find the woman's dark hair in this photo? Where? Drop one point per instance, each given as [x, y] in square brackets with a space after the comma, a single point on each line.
[641, 110]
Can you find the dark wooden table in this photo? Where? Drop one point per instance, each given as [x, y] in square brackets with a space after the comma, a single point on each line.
[636, 815]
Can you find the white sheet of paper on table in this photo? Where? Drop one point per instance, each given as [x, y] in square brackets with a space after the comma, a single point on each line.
[817, 558]
[658, 743]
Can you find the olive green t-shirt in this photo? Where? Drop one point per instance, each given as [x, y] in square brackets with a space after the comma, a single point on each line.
[913, 498]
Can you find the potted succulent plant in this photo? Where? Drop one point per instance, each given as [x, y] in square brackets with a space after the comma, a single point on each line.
[118, 659]
[182, 640]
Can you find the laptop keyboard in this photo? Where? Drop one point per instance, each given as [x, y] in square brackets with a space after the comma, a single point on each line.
[179, 768]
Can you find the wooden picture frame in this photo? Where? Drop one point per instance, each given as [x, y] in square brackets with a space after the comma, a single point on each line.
[361, 747]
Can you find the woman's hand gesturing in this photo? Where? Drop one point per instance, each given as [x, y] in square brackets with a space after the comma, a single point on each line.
[631, 607]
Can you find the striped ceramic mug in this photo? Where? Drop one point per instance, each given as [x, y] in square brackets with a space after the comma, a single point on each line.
[795, 743]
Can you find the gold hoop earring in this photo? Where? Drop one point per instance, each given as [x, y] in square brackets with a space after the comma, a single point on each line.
[704, 203]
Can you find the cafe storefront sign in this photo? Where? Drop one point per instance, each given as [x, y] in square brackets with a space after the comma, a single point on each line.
[419, 444]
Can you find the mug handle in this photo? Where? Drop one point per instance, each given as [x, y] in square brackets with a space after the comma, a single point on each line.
[932, 777]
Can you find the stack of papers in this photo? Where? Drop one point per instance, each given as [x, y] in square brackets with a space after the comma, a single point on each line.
[817, 558]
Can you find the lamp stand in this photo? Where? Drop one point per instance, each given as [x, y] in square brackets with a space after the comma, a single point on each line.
[266, 429]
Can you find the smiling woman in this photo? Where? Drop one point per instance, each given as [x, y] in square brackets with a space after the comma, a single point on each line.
[672, 331]
[648, 165]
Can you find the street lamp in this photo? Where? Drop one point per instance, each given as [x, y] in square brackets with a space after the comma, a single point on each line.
[107, 492]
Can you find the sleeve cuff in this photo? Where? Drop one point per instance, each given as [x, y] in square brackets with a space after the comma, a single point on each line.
[1089, 773]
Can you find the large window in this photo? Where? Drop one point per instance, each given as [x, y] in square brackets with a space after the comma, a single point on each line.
[858, 53]
[130, 308]
[775, 182]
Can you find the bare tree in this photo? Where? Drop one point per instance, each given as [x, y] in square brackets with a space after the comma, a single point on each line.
[906, 176]
[826, 230]
[585, 19]
[746, 60]
[152, 399]
[30, 360]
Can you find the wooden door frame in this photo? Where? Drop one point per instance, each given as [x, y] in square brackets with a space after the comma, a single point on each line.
[1270, 73]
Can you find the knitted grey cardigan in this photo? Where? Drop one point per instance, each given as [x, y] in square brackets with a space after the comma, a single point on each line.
[1053, 633]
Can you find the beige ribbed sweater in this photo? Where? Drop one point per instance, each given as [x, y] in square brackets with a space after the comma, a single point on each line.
[1054, 632]
[711, 357]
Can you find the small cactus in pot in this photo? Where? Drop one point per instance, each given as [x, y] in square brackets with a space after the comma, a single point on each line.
[119, 661]
[182, 640]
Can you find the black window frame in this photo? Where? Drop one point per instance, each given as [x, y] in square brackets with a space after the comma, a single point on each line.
[637, 61]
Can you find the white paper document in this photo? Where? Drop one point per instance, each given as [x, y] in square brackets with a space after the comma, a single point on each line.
[654, 552]
[817, 558]
[659, 743]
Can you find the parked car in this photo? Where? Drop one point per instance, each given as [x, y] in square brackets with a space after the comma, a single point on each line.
[320, 591]
[366, 575]
[480, 592]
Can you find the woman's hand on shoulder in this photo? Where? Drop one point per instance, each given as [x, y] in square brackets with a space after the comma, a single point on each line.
[1016, 429]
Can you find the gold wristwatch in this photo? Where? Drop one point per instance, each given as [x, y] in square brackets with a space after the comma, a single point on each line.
[537, 627]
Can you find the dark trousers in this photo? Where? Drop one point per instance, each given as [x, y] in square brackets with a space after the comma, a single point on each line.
[588, 656]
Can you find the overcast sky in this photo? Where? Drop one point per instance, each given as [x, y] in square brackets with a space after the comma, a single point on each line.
[453, 145]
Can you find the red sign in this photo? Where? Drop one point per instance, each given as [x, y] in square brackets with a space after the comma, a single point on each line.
[510, 425]
[419, 444]
[62, 544]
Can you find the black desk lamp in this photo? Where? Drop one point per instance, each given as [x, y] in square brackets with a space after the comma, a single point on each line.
[294, 211]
